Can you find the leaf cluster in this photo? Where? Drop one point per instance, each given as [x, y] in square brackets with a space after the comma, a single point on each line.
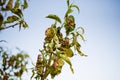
[11, 13]
[58, 48]
[12, 66]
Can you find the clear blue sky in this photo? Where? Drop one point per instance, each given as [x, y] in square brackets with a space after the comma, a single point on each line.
[101, 20]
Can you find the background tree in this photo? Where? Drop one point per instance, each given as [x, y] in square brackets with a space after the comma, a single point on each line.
[11, 15]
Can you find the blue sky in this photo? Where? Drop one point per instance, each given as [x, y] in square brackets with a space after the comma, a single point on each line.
[101, 20]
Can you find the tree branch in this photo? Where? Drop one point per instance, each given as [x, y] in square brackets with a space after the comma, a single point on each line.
[9, 26]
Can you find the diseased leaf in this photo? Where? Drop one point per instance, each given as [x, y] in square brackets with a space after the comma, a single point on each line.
[9, 5]
[68, 52]
[75, 6]
[60, 62]
[54, 17]
[66, 59]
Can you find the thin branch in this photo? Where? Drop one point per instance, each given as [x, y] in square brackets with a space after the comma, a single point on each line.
[11, 26]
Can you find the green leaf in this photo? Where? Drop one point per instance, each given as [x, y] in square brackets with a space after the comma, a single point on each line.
[68, 3]
[25, 4]
[74, 40]
[71, 17]
[78, 49]
[69, 11]
[26, 55]
[17, 4]
[82, 30]
[75, 6]
[17, 12]
[25, 25]
[1, 19]
[81, 36]
[60, 62]
[65, 58]
[54, 17]
[55, 38]
[33, 73]
[11, 19]
[9, 5]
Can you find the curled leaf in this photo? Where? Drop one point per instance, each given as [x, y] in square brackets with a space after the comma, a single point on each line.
[66, 59]
[80, 30]
[68, 52]
[69, 11]
[75, 6]
[81, 36]
[54, 17]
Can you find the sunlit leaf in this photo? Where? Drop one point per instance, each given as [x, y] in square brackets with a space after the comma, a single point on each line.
[68, 52]
[66, 59]
[69, 11]
[55, 38]
[54, 17]
[60, 62]
[75, 6]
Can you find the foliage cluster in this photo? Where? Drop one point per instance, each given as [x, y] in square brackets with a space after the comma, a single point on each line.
[58, 46]
[11, 13]
[13, 66]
